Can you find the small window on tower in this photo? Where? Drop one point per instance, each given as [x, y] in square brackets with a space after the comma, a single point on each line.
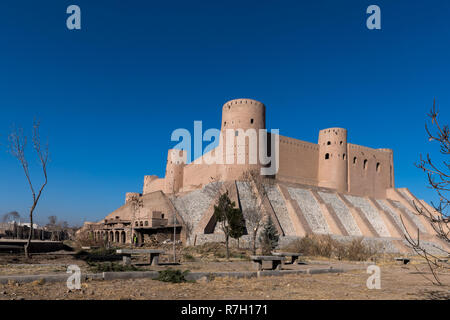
[344, 157]
[355, 160]
[365, 164]
[329, 142]
[251, 120]
[236, 133]
[378, 167]
[327, 156]
[225, 123]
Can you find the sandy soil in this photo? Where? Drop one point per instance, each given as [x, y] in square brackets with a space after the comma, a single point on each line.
[397, 282]
[412, 281]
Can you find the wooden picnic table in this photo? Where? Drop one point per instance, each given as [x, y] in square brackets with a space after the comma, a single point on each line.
[154, 255]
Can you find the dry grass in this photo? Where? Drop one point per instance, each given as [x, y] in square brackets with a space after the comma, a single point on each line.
[214, 251]
[325, 246]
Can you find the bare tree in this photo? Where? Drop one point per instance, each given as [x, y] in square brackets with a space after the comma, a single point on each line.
[17, 144]
[439, 181]
[11, 216]
[52, 220]
[254, 214]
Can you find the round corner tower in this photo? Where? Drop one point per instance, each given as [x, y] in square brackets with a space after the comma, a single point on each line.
[241, 145]
[176, 160]
[333, 159]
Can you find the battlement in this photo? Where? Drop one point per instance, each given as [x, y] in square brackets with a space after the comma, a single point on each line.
[235, 102]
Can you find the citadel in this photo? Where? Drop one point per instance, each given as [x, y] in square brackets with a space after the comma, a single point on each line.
[329, 187]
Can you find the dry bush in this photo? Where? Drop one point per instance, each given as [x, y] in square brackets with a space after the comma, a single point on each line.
[325, 246]
[215, 250]
[313, 245]
[85, 239]
[357, 250]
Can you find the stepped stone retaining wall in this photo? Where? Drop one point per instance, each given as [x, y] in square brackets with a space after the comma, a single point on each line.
[371, 214]
[193, 205]
[311, 210]
[395, 216]
[342, 212]
[279, 206]
[411, 214]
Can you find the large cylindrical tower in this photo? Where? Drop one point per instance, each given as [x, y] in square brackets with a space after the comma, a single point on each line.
[333, 159]
[176, 160]
[243, 114]
[241, 121]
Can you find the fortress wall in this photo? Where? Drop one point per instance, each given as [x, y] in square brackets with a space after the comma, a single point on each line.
[124, 213]
[154, 201]
[298, 161]
[153, 183]
[198, 175]
[370, 171]
[130, 195]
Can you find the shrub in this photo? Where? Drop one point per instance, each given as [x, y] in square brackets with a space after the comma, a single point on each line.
[188, 257]
[110, 267]
[100, 254]
[219, 254]
[173, 276]
[326, 246]
[357, 250]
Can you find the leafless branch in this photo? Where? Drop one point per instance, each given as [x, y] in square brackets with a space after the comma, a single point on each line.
[439, 180]
[17, 146]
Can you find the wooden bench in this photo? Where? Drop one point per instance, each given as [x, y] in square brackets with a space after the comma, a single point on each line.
[276, 261]
[154, 255]
[294, 256]
[403, 260]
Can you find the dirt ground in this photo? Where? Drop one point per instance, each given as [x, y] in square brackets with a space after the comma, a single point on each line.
[397, 282]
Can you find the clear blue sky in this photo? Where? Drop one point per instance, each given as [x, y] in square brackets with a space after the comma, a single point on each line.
[109, 96]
